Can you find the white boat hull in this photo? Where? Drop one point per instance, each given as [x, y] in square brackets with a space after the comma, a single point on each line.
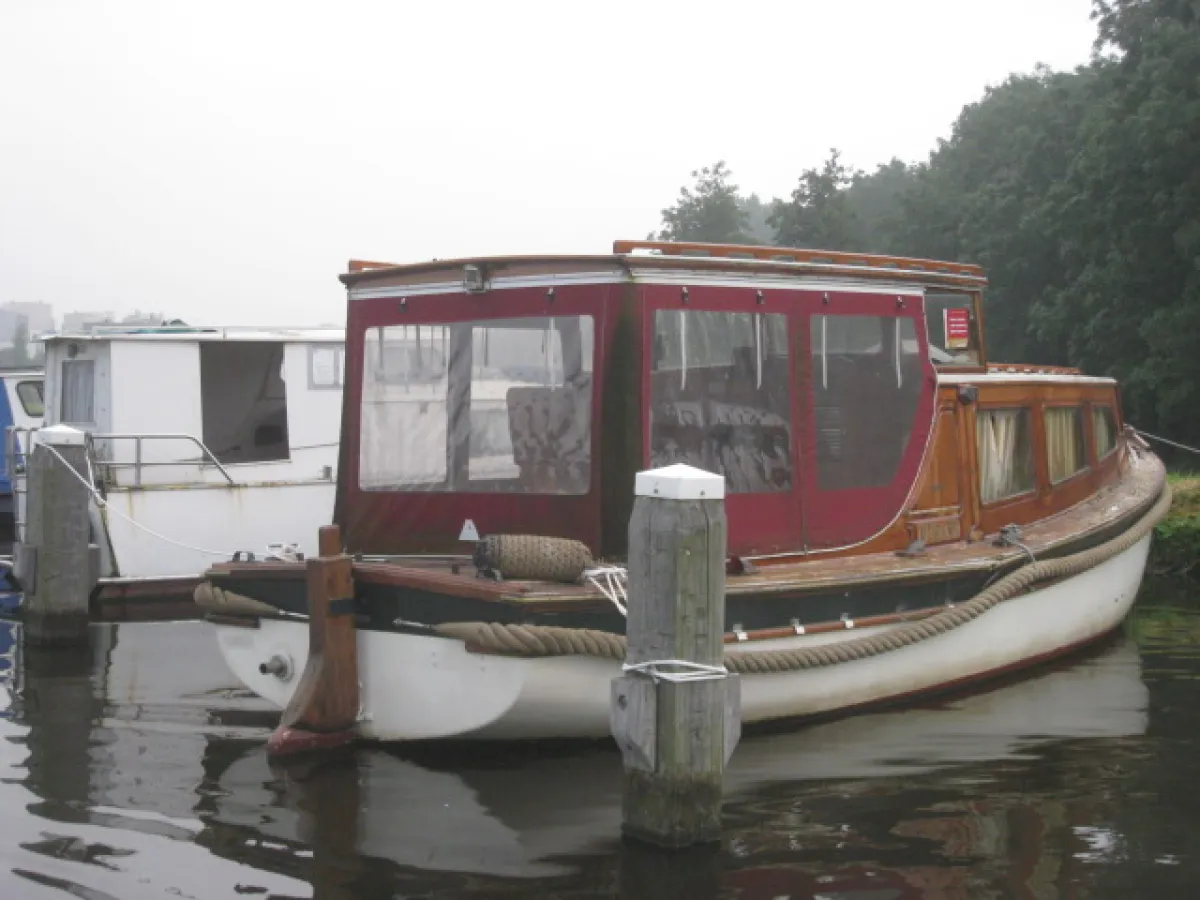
[416, 687]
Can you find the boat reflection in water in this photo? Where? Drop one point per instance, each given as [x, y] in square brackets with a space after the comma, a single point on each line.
[502, 812]
[134, 768]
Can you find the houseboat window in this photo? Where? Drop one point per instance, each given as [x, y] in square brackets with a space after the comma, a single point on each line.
[720, 397]
[326, 367]
[31, 397]
[952, 329]
[866, 377]
[1065, 453]
[501, 405]
[1005, 447]
[1104, 430]
[243, 400]
[77, 404]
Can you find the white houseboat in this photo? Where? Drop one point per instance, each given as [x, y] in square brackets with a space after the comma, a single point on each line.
[203, 442]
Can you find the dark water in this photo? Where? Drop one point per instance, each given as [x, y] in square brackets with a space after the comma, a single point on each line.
[135, 769]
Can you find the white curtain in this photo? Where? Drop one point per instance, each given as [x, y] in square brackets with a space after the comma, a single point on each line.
[1103, 429]
[78, 392]
[1005, 456]
[1064, 442]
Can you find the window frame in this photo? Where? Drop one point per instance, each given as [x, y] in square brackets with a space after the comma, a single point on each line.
[474, 323]
[40, 386]
[1035, 475]
[339, 366]
[1080, 407]
[765, 335]
[63, 394]
[1093, 408]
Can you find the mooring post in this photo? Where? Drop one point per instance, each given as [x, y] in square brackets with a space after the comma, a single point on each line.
[55, 564]
[675, 712]
[323, 711]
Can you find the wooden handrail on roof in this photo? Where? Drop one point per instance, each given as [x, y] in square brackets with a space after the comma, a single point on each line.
[791, 254]
[362, 265]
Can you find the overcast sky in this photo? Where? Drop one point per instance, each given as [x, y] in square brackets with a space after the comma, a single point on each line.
[221, 161]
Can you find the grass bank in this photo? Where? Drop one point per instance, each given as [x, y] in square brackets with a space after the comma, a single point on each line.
[1176, 546]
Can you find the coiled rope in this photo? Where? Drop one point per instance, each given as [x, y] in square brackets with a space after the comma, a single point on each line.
[545, 640]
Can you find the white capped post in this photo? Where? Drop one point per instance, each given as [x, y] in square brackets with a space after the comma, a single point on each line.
[675, 711]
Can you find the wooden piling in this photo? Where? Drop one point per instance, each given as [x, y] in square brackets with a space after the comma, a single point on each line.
[676, 724]
[56, 565]
[323, 710]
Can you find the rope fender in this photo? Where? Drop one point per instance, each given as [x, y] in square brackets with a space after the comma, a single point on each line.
[547, 640]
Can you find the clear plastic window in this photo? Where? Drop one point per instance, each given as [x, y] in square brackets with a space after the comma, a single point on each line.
[501, 405]
[720, 397]
[866, 377]
[952, 328]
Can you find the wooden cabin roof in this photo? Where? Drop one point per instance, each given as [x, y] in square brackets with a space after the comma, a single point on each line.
[696, 257]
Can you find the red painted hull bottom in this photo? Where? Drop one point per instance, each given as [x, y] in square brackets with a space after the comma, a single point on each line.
[287, 741]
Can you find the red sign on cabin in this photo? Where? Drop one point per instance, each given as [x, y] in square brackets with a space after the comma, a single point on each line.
[957, 322]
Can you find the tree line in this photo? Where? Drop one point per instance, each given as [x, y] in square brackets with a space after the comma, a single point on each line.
[1078, 192]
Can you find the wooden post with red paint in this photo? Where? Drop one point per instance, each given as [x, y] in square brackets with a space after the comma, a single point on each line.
[323, 711]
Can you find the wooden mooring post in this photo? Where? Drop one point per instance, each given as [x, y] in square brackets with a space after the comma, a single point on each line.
[323, 711]
[675, 712]
[56, 565]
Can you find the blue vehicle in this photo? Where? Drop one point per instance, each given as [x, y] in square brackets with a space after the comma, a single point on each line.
[21, 407]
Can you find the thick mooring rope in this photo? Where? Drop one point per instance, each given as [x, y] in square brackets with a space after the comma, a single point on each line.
[545, 640]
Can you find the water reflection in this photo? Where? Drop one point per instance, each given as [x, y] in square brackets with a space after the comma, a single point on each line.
[135, 767]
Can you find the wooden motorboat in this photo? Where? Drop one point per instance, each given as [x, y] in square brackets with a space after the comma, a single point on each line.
[904, 515]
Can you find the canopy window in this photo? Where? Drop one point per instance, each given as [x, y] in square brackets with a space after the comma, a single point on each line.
[720, 397]
[953, 329]
[501, 405]
[243, 401]
[1005, 448]
[1065, 451]
[866, 377]
[1104, 430]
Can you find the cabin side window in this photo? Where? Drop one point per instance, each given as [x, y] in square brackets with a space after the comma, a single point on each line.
[77, 405]
[326, 367]
[501, 405]
[720, 397]
[243, 401]
[866, 377]
[1065, 451]
[30, 393]
[1004, 442]
[1104, 430]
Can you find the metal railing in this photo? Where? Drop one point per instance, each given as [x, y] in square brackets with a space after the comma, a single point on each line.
[206, 455]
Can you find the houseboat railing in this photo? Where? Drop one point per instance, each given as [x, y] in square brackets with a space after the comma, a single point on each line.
[207, 456]
[18, 443]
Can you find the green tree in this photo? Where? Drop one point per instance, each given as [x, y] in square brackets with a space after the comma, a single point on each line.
[819, 214]
[710, 211]
[1131, 228]
[757, 215]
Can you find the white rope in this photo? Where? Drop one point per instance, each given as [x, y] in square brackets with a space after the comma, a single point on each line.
[691, 671]
[613, 587]
[100, 501]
